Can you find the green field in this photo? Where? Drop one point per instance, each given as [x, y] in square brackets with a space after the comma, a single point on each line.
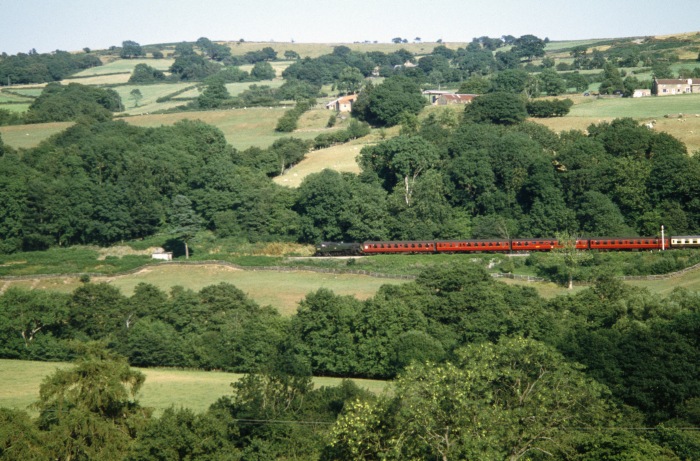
[150, 95]
[553, 47]
[277, 66]
[243, 128]
[31, 92]
[13, 98]
[28, 136]
[18, 108]
[196, 390]
[125, 66]
[650, 107]
[290, 287]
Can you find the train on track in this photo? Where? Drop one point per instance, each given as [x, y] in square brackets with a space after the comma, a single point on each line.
[526, 245]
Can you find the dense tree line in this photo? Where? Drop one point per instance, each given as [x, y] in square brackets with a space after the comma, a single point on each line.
[105, 182]
[483, 368]
[59, 103]
[489, 175]
[36, 67]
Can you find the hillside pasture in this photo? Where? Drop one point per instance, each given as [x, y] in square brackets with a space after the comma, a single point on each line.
[589, 110]
[151, 92]
[29, 136]
[237, 88]
[112, 79]
[125, 66]
[556, 46]
[163, 388]
[116, 72]
[11, 98]
[277, 66]
[243, 128]
[17, 108]
[30, 92]
[340, 158]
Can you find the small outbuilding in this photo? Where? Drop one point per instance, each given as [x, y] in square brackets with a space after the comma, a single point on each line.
[641, 93]
[342, 104]
[163, 256]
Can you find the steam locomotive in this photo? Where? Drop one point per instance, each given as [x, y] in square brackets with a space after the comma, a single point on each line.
[504, 245]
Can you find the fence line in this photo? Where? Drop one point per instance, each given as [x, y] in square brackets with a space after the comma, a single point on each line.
[527, 278]
[661, 276]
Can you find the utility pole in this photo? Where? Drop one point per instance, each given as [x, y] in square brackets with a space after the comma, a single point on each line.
[663, 242]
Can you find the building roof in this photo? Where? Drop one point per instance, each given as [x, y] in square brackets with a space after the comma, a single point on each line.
[675, 81]
[459, 97]
[347, 99]
[438, 92]
[343, 100]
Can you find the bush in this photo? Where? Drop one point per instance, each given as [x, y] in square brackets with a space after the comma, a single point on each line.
[501, 108]
[144, 73]
[549, 108]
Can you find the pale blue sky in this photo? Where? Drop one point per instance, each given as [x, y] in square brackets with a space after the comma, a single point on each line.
[70, 25]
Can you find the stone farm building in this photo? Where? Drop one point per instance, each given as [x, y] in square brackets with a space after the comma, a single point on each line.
[674, 86]
[342, 104]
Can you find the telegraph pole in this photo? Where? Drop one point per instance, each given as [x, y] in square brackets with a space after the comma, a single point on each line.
[663, 242]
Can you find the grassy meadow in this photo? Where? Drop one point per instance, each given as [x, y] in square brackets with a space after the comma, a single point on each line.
[340, 158]
[588, 110]
[243, 128]
[290, 286]
[29, 136]
[163, 388]
[125, 66]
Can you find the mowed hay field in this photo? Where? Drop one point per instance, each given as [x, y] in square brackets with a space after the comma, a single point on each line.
[163, 388]
[280, 289]
[340, 158]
